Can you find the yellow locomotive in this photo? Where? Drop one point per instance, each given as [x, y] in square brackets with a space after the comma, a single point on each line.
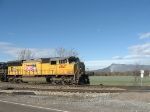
[58, 70]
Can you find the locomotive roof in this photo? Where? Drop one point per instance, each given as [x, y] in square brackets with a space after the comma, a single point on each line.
[43, 60]
[64, 57]
[56, 58]
[15, 63]
[2, 62]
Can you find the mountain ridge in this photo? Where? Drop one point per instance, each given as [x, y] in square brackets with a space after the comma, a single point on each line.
[123, 68]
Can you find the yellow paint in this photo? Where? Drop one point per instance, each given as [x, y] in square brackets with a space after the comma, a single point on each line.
[32, 68]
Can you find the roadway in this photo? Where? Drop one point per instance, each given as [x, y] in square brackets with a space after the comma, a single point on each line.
[6, 106]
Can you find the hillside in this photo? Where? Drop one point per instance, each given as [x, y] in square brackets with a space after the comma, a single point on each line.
[123, 68]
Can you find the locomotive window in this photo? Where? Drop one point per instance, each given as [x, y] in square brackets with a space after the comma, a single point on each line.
[74, 60]
[45, 60]
[62, 61]
[53, 62]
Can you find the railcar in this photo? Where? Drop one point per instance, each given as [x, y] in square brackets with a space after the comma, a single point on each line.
[57, 70]
[3, 71]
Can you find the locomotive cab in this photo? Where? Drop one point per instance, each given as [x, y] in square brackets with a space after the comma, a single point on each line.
[79, 71]
[68, 70]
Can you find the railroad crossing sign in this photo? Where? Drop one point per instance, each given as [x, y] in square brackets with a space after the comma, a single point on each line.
[142, 75]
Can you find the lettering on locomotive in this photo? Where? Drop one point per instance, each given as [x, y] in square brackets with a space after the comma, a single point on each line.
[62, 66]
[32, 68]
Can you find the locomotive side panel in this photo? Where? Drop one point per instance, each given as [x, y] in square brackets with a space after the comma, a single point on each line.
[53, 67]
[14, 68]
[45, 69]
[64, 68]
[59, 70]
[30, 68]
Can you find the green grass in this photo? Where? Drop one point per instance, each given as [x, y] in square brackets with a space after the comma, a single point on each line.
[119, 80]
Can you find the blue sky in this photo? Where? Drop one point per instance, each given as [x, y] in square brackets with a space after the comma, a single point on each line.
[102, 31]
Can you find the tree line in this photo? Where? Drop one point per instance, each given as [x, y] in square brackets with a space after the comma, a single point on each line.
[128, 73]
[27, 54]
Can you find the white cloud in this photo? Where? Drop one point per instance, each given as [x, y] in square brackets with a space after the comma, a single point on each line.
[9, 51]
[139, 51]
[94, 65]
[117, 57]
[5, 44]
[105, 63]
[143, 36]
[43, 53]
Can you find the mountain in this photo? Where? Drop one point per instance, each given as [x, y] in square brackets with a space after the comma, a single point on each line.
[123, 68]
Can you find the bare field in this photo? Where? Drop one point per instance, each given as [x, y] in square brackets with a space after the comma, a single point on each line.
[119, 80]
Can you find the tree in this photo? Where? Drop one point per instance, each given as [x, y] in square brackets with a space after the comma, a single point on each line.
[62, 52]
[137, 73]
[25, 54]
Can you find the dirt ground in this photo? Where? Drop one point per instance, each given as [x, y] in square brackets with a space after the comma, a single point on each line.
[133, 96]
[86, 102]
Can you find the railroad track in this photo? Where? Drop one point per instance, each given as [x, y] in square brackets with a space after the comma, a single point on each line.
[73, 88]
[48, 84]
[62, 90]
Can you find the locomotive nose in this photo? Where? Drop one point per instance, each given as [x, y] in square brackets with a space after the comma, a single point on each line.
[80, 68]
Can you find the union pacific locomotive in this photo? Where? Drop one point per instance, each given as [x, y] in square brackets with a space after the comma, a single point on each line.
[57, 70]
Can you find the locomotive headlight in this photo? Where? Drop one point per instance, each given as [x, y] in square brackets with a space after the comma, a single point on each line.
[80, 66]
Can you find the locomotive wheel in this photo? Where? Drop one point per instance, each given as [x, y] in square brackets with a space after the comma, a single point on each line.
[49, 80]
[18, 80]
[72, 81]
[62, 82]
[11, 80]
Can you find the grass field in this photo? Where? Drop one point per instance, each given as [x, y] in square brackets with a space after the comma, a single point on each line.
[119, 80]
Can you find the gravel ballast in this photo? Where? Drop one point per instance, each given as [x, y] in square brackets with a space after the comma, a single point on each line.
[81, 102]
